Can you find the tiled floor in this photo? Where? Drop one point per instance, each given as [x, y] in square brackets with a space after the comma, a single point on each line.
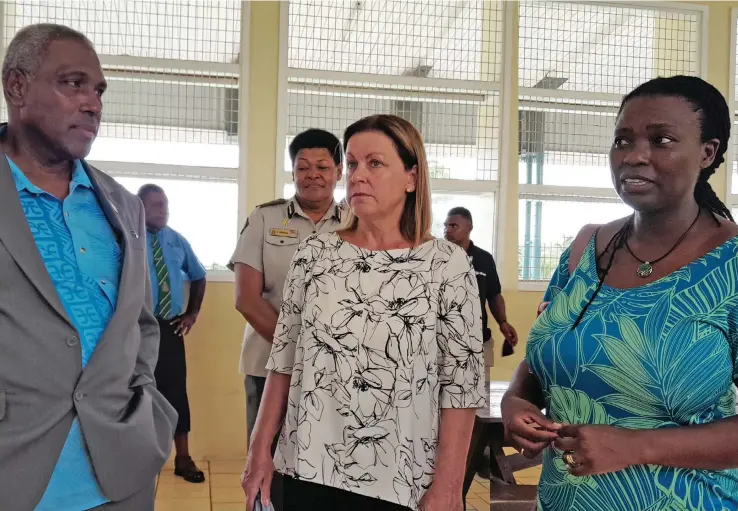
[478, 497]
[528, 476]
[222, 490]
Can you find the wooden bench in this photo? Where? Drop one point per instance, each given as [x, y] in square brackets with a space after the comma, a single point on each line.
[512, 497]
[505, 494]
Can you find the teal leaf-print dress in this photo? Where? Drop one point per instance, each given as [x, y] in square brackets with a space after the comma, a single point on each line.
[656, 356]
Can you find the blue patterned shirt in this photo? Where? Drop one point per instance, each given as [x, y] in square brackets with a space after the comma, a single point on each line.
[660, 355]
[83, 258]
[182, 264]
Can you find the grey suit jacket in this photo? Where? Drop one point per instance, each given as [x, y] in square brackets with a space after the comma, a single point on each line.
[127, 424]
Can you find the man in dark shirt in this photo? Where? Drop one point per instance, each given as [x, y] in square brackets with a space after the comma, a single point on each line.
[458, 227]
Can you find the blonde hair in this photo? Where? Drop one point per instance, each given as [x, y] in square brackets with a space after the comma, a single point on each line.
[416, 219]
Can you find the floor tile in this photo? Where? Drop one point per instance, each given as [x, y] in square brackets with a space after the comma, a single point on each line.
[225, 480]
[483, 482]
[533, 472]
[476, 487]
[483, 496]
[227, 467]
[169, 479]
[477, 504]
[227, 495]
[184, 491]
[166, 477]
[229, 507]
[182, 505]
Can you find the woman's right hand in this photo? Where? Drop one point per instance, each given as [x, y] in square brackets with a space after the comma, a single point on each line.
[257, 477]
[526, 427]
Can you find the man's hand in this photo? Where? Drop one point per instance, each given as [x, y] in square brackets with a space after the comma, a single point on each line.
[511, 336]
[183, 324]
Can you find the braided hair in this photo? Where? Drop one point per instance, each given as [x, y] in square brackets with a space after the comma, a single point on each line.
[715, 123]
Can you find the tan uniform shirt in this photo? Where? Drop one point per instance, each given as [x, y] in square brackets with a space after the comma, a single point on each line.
[267, 243]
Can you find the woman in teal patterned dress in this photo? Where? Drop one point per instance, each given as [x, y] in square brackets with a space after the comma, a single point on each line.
[634, 358]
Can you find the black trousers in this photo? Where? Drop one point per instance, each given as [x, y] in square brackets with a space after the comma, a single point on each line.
[306, 496]
[171, 374]
[254, 386]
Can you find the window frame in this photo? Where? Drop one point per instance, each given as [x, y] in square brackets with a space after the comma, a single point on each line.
[591, 194]
[732, 154]
[439, 185]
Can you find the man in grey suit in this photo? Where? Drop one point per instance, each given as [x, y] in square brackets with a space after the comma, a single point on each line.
[82, 425]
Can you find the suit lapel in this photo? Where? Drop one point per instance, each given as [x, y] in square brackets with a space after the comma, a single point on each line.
[15, 235]
[111, 205]
[109, 202]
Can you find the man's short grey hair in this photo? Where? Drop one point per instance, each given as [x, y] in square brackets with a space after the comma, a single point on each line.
[27, 50]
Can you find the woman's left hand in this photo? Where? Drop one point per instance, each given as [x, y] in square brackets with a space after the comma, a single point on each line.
[599, 449]
[442, 498]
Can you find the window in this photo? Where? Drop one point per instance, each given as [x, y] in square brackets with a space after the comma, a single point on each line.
[575, 62]
[482, 208]
[171, 110]
[556, 223]
[436, 64]
[211, 227]
[733, 104]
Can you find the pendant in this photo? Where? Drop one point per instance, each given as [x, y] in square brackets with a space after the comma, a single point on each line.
[645, 270]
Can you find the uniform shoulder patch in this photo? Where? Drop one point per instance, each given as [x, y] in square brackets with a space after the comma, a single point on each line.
[244, 226]
[272, 203]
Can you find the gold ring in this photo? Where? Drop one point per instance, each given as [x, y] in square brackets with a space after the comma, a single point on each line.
[568, 458]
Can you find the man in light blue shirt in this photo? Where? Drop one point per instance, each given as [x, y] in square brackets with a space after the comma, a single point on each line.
[171, 263]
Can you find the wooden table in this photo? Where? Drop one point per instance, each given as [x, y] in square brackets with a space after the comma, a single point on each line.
[489, 432]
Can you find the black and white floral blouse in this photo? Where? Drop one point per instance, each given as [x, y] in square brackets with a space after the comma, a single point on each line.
[377, 342]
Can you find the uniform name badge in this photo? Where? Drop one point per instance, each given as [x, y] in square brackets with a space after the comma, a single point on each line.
[283, 233]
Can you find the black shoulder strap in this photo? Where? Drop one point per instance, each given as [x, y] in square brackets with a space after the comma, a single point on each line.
[244, 226]
[276, 202]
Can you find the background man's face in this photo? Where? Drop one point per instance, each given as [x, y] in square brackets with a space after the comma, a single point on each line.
[456, 229]
[156, 205]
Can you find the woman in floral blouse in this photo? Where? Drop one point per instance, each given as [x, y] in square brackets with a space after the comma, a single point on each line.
[377, 367]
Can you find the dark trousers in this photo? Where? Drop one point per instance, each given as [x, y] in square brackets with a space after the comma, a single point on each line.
[171, 374]
[306, 496]
[254, 391]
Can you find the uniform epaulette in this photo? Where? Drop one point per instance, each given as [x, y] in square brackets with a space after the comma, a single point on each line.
[276, 202]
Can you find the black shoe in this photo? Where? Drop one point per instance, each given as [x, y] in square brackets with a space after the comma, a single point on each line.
[185, 468]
